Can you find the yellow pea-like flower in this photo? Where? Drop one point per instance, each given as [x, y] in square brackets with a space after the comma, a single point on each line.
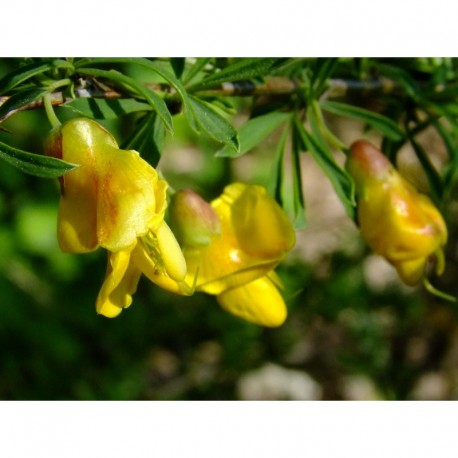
[396, 220]
[117, 201]
[237, 262]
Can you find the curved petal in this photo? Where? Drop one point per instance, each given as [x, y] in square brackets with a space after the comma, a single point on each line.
[112, 198]
[258, 302]
[255, 236]
[77, 220]
[396, 220]
[412, 271]
[400, 223]
[149, 266]
[171, 254]
[120, 283]
[261, 226]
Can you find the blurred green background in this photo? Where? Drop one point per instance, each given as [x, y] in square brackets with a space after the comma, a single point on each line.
[353, 331]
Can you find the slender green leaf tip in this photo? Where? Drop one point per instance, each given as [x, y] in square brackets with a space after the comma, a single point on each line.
[35, 164]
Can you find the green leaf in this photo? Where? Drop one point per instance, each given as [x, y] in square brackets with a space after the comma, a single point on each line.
[298, 201]
[340, 180]
[383, 124]
[148, 139]
[151, 97]
[401, 77]
[153, 66]
[34, 164]
[25, 72]
[18, 100]
[322, 71]
[277, 180]
[391, 148]
[190, 73]
[206, 119]
[433, 176]
[451, 144]
[318, 126]
[243, 69]
[285, 183]
[105, 108]
[254, 131]
[171, 79]
[178, 64]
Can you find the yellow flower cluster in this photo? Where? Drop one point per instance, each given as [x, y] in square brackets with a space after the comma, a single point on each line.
[117, 201]
[398, 223]
[237, 264]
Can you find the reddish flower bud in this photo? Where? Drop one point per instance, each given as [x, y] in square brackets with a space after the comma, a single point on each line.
[397, 222]
[193, 220]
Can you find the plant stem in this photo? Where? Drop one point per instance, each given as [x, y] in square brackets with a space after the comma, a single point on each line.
[430, 288]
[53, 119]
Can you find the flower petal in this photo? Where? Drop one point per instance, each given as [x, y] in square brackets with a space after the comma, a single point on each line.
[120, 283]
[171, 254]
[77, 221]
[400, 223]
[396, 220]
[112, 198]
[258, 302]
[255, 236]
[412, 271]
[261, 226]
[149, 266]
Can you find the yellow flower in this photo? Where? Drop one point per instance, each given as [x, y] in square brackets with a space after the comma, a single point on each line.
[114, 200]
[237, 262]
[398, 223]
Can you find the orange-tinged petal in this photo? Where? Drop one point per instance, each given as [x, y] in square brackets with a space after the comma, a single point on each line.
[399, 223]
[396, 220]
[77, 220]
[112, 198]
[366, 164]
[258, 302]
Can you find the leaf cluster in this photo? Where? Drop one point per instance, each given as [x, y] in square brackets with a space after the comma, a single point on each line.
[397, 98]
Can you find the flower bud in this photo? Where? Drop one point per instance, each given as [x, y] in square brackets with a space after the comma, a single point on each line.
[193, 220]
[397, 222]
[366, 164]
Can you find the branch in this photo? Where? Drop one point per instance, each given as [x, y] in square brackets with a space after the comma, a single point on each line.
[59, 98]
[337, 88]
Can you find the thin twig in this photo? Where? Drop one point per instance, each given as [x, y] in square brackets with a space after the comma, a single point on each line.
[270, 86]
[59, 98]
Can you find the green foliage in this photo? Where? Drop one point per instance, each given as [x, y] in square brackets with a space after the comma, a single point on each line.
[35, 164]
[383, 124]
[342, 182]
[203, 118]
[19, 99]
[147, 138]
[151, 97]
[254, 131]
[243, 69]
[105, 108]
[26, 72]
